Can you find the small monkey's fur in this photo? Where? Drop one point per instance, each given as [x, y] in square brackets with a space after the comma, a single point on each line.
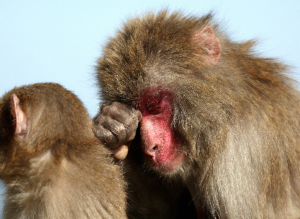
[56, 168]
[238, 117]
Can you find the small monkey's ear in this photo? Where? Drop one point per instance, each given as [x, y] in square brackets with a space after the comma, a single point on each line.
[211, 44]
[20, 117]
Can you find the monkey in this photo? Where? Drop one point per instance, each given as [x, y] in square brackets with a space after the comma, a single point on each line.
[216, 116]
[51, 163]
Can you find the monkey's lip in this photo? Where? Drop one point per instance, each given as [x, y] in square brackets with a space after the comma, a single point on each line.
[166, 167]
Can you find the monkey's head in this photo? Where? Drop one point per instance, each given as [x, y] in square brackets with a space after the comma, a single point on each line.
[37, 118]
[155, 64]
[189, 80]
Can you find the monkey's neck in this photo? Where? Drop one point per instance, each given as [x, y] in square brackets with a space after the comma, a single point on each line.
[28, 186]
[37, 173]
[194, 185]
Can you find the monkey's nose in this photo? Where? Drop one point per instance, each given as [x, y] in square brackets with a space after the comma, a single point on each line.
[151, 151]
[155, 147]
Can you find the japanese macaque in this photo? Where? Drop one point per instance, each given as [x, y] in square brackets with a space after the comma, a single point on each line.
[52, 164]
[215, 116]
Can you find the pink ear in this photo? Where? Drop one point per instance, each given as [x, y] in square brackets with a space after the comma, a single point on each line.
[20, 117]
[210, 43]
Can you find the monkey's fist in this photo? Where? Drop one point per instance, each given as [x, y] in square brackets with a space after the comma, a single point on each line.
[115, 127]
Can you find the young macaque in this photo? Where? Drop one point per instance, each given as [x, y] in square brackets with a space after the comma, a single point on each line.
[52, 164]
[215, 116]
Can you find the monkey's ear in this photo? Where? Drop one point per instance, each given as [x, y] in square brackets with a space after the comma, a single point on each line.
[211, 44]
[20, 117]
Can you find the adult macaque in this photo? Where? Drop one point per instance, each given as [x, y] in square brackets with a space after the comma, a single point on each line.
[50, 160]
[216, 116]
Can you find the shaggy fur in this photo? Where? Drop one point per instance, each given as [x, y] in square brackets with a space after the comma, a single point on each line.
[238, 119]
[58, 169]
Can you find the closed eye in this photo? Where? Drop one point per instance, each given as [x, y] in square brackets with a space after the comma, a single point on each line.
[154, 109]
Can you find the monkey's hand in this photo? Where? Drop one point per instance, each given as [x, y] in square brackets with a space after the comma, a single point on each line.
[115, 126]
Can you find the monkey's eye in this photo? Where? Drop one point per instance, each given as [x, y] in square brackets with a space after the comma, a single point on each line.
[155, 103]
[153, 106]
[154, 109]
[152, 102]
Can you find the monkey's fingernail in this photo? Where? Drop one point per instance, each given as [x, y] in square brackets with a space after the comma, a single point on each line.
[121, 152]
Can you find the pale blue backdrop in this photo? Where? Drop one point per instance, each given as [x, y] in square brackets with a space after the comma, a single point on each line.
[60, 40]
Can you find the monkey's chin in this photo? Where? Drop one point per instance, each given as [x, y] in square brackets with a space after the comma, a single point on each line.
[166, 167]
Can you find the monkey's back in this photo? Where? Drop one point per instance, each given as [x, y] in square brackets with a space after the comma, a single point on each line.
[57, 168]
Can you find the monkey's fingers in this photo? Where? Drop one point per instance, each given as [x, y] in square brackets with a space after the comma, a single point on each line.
[122, 113]
[121, 152]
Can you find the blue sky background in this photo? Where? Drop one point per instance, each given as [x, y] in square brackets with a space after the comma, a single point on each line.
[60, 40]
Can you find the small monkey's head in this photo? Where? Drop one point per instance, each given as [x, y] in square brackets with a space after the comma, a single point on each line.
[39, 117]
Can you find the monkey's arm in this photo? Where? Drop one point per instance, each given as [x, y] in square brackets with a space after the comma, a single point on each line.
[115, 126]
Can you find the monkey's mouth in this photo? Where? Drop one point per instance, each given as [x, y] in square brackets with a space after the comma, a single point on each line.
[163, 166]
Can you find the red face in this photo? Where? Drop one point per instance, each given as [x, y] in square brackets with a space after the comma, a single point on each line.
[158, 141]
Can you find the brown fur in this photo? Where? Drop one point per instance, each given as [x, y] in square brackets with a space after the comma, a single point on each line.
[59, 169]
[238, 119]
